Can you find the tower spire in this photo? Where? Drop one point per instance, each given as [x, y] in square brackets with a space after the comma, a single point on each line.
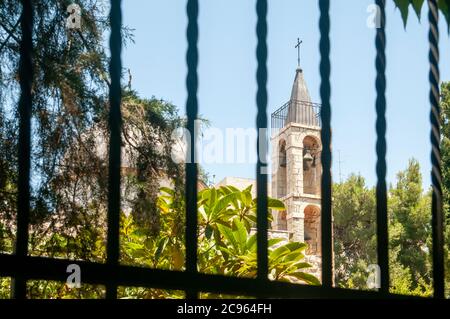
[297, 46]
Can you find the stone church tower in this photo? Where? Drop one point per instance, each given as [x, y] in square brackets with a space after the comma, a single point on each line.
[296, 167]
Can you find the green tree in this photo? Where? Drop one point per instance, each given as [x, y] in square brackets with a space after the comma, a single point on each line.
[354, 231]
[445, 153]
[70, 133]
[409, 231]
[410, 227]
[69, 91]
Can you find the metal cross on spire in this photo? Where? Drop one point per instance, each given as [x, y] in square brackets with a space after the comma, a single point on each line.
[298, 50]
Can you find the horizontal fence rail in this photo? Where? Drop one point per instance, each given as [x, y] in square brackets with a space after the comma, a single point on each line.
[122, 275]
[21, 267]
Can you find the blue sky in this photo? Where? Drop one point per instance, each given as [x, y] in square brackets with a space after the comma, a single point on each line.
[227, 66]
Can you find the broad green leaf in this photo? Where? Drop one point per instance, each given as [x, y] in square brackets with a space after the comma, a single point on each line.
[167, 190]
[240, 234]
[222, 204]
[225, 190]
[236, 200]
[251, 243]
[417, 6]
[302, 265]
[290, 267]
[294, 246]
[233, 189]
[274, 241]
[246, 196]
[293, 257]
[204, 193]
[226, 252]
[275, 204]
[228, 234]
[308, 278]
[252, 218]
[247, 223]
[201, 211]
[403, 6]
[212, 197]
[148, 244]
[161, 246]
[278, 252]
[134, 246]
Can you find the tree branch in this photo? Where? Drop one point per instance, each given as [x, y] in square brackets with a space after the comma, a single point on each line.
[10, 34]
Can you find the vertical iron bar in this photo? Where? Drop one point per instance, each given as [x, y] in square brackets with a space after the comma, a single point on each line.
[435, 137]
[25, 107]
[115, 123]
[261, 124]
[191, 165]
[380, 105]
[325, 115]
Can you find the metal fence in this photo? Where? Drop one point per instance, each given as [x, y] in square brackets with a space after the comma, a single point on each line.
[22, 267]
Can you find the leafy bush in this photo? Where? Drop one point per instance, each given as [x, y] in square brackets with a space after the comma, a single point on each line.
[226, 239]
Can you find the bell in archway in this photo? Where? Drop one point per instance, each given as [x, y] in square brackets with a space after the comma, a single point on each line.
[307, 160]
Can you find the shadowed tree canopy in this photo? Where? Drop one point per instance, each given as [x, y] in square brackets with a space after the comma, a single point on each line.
[70, 131]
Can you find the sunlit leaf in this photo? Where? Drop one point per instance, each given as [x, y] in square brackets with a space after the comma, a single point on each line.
[308, 278]
[222, 204]
[240, 234]
[275, 204]
[251, 243]
[228, 234]
[160, 248]
[167, 190]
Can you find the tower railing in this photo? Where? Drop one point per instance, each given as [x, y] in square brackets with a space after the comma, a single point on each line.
[302, 112]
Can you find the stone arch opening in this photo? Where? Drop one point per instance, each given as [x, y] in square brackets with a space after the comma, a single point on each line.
[282, 170]
[312, 229]
[311, 165]
[281, 220]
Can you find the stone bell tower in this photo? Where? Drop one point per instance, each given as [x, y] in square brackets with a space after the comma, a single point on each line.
[296, 166]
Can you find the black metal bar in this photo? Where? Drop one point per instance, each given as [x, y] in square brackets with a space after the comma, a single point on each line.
[435, 137]
[261, 124]
[325, 114]
[115, 123]
[94, 273]
[191, 165]
[380, 105]
[25, 107]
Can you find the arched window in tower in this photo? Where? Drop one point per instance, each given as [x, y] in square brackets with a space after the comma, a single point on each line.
[311, 166]
[312, 229]
[281, 220]
[282, 177]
